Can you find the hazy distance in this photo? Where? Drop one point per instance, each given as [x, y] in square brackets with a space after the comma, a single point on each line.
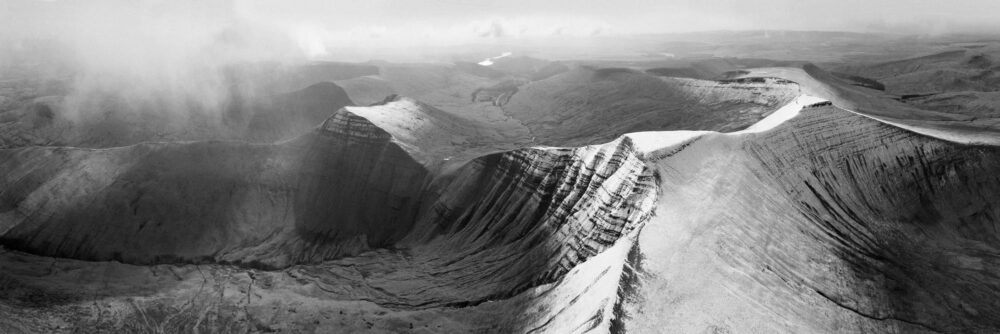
[319, 28]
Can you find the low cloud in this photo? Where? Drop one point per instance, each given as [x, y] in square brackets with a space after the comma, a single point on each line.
[473, 31]
[166, 58]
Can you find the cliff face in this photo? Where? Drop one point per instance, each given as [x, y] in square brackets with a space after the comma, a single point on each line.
[553, 208]
[831, 222]
[400, 216]
[504, 226]
[345, 188]
[912, 219]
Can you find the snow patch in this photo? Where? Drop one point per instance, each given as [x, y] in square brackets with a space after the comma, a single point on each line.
[782, 115]
[652, 141]
[489, 61]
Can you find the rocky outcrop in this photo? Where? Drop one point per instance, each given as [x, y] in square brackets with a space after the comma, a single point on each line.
[527, 217]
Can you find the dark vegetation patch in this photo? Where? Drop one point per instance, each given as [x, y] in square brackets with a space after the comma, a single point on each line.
[734, 74]
[605, 73]
[980, 61]
[498, 94]
[820, 104]
[858, 80]
[676, 72]
[755, 80]
[907, 97]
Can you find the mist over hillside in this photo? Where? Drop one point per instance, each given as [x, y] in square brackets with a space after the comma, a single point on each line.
[244, 166]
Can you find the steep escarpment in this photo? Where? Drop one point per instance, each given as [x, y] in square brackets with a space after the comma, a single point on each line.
[401, 216]
[831, 222]
[911, 218]
[439, 139]
[497, 235]
[347, 187]
[507, 226]
[554, 208]
[339, 190]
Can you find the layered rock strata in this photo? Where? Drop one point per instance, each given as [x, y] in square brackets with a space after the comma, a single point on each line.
[815, 220]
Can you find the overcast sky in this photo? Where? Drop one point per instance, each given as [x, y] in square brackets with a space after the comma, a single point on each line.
[144, 48]
[646, 16]
[622, 16]
[316, 24]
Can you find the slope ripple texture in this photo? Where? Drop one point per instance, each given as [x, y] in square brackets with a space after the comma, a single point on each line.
[831, 222]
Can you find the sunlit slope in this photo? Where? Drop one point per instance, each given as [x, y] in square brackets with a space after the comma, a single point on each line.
[263, 204]
[830, 222]
[820, 217]
[505, 227]
[826, 222]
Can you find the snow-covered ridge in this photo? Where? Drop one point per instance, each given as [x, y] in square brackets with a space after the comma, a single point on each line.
[540, 239]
